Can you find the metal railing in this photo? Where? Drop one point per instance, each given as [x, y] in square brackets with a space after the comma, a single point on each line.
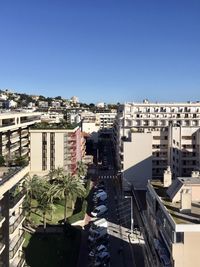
[13, 251]
[10, 174]
[2, 243]
[21, 262]
[15, 199]
[16, 223]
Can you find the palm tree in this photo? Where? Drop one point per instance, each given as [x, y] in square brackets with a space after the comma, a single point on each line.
[81, 169]
[55, 173]
[32, 186]
[69, 186]
[46, 199]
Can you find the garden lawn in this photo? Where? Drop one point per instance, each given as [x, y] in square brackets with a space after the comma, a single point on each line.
[57, 215]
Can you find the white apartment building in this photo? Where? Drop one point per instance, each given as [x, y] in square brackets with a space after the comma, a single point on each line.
[14, 142]
[172, 221]
[43, 104]
[14, 133]
[106, 119]
[93, 123]
[172, 130]
[12, 216]
[52, 117]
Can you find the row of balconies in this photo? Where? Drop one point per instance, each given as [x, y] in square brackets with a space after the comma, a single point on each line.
[15, 244]
[18, 220]
[160, 109]
[160, 122]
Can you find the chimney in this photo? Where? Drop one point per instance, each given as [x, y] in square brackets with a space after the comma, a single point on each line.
[186, 201]
[195, 174]
[167, 177]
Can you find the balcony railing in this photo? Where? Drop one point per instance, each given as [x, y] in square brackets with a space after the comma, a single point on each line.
[11, 172]
[2, 244]
[15, 199]
[21, 262]
[17, 245]
[16, 223]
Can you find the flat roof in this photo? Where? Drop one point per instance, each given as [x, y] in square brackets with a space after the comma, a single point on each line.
[173, 208]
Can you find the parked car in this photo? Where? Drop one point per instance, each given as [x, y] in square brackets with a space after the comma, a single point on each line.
[94, 236]
[100, 197]
[104, 240]
[165, 261]
[102, 258]
[98, 223]
[98, 211]
[98, 191]
[97, 250]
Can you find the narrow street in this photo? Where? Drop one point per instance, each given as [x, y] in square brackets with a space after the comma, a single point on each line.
[121, 244]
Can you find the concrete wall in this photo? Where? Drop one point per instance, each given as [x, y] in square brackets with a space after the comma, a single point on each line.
[137, 162]
[59, 150]
[36, 152]
[187, 254]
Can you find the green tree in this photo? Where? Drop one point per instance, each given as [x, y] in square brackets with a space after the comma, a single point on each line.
[81, 169]
[46, 200]
[33, 189]
[68, 187]
[55, 174]
[20, 161]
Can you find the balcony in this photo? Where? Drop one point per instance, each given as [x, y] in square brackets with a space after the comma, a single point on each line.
[19, 261]
[2, 219]
[15, 244]
[2, 246]
[24, 141]
[71, 139]
[17, 221]
[7, 124]
[15, 199]
[4, 139]
[24, 133]
[7, 174]
[24, 151]
[14, 147]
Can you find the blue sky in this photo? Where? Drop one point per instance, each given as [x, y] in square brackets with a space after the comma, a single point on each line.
[102, 50]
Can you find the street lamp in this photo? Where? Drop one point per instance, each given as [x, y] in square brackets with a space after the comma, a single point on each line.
[132, 221]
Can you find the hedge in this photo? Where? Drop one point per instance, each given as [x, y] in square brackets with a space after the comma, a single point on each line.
[80, 215]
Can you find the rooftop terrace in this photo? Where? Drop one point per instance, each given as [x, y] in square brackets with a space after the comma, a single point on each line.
[54, 126]
[173, 208]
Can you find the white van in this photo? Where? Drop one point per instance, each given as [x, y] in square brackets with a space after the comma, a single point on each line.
[100, 210]
[97, 224]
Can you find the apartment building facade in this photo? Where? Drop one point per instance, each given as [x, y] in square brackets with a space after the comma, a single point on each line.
[173, 134]
[14, 133]
[12, 216]
[14, 143]
[172, 222]
[53, 147]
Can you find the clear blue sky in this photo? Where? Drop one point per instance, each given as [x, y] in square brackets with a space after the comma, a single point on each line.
[102, 50]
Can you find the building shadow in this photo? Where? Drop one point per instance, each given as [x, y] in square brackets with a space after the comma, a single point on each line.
[56, 246]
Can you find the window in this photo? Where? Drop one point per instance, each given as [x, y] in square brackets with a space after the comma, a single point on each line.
[180, 237]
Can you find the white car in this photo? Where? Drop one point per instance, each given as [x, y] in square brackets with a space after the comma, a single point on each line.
[98, 211]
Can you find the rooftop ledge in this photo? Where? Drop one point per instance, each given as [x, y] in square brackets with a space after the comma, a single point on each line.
[53, 126]
[180, 219]
[9, 176]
